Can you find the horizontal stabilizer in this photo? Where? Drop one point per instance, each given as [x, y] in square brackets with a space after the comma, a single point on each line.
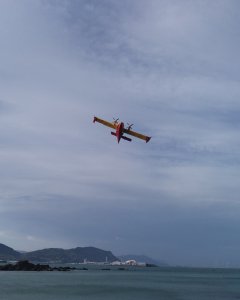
[126, 138]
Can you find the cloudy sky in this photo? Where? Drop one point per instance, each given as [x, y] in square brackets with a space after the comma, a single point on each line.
[169, 67]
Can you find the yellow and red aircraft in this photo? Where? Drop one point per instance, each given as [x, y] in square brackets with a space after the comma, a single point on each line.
[120, 130]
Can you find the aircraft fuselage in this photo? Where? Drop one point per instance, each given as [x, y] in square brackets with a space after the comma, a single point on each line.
[119, 131]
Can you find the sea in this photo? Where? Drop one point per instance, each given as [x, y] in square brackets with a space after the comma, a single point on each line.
[96, 283]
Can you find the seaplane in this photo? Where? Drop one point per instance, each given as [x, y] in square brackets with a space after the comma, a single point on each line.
[120, 130]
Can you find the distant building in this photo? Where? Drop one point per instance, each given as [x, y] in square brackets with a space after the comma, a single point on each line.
[131, 262]
[117, 263]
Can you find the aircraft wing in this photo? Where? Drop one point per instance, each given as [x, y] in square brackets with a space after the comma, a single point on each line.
[138, 135]
[106, 123]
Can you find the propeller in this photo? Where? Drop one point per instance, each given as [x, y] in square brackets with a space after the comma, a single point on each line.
[129, 126]
[115, 120]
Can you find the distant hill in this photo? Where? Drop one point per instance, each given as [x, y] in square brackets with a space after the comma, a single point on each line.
[7, 253]
[143, 259]
[76, 255]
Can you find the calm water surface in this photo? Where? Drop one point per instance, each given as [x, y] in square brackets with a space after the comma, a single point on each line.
[142, 283]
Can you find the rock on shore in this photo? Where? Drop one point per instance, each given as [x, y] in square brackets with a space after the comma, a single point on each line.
[25, 265]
